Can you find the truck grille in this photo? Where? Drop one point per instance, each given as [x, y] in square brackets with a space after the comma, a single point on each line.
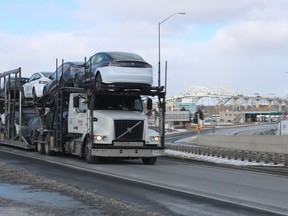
[129, 129]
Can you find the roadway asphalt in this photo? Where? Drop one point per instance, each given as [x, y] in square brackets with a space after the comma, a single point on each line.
[171, 187]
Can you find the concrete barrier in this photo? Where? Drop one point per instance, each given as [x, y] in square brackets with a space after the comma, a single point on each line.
[271, 144]
[249, 148]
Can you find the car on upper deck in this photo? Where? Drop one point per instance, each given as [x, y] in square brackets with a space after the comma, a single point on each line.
[63, 76]
[118, 68]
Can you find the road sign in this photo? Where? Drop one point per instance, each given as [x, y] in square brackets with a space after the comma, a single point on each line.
[198, 128]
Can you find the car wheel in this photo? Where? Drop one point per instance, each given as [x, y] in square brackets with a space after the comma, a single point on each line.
[98, 82]
[34, 96]
[40, 144]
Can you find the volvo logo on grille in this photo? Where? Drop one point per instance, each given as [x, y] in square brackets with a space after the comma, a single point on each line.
[129, 130]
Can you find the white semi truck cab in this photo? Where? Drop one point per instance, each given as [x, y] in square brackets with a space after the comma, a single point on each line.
[115, 125]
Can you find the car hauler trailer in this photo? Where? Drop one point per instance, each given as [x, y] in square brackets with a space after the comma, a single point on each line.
[94, 124]
[12, 109]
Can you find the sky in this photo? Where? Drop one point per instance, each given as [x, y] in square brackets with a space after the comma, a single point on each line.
[239, 45]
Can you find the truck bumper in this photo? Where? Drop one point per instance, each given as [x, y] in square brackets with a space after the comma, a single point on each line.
[129, 153]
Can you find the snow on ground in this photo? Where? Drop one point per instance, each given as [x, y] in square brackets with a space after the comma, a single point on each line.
[217, 160]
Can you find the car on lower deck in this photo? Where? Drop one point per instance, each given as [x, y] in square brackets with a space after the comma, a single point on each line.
[30, 130]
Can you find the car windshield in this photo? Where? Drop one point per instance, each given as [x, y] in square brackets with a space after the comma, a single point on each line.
[74, 68]
[128, 103]
[125, 56]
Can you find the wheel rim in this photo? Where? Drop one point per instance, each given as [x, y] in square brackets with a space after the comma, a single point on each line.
[40, 145]
[47, 147]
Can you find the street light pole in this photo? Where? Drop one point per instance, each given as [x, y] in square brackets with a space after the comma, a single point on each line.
[159, 45]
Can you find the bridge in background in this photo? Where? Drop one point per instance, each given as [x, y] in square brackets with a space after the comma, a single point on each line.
[222, 96]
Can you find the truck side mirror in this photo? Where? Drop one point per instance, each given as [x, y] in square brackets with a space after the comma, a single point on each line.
[76, 102]
[149, 104]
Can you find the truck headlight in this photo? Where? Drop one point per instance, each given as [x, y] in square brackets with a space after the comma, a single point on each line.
[155, 138]
[100, 138]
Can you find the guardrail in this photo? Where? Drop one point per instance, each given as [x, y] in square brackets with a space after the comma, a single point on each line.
[251, 148]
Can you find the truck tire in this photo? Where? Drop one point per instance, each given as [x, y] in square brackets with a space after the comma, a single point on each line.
[149, 160]
[40, 144]
[87, 151]
[48, 151]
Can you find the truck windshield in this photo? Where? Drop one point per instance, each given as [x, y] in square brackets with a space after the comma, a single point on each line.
[118, 102]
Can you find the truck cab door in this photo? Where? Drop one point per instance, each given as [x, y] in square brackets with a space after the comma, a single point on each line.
[77, 120]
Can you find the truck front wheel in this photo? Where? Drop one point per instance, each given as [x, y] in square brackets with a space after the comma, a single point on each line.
[88, 157]
[149, 160]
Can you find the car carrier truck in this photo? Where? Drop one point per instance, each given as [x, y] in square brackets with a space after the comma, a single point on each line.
[95, 124]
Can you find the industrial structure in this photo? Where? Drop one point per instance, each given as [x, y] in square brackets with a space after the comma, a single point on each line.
[222, 96]
[229, 105]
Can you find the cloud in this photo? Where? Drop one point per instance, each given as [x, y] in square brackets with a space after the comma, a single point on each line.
[245, 45]
[253, 38]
